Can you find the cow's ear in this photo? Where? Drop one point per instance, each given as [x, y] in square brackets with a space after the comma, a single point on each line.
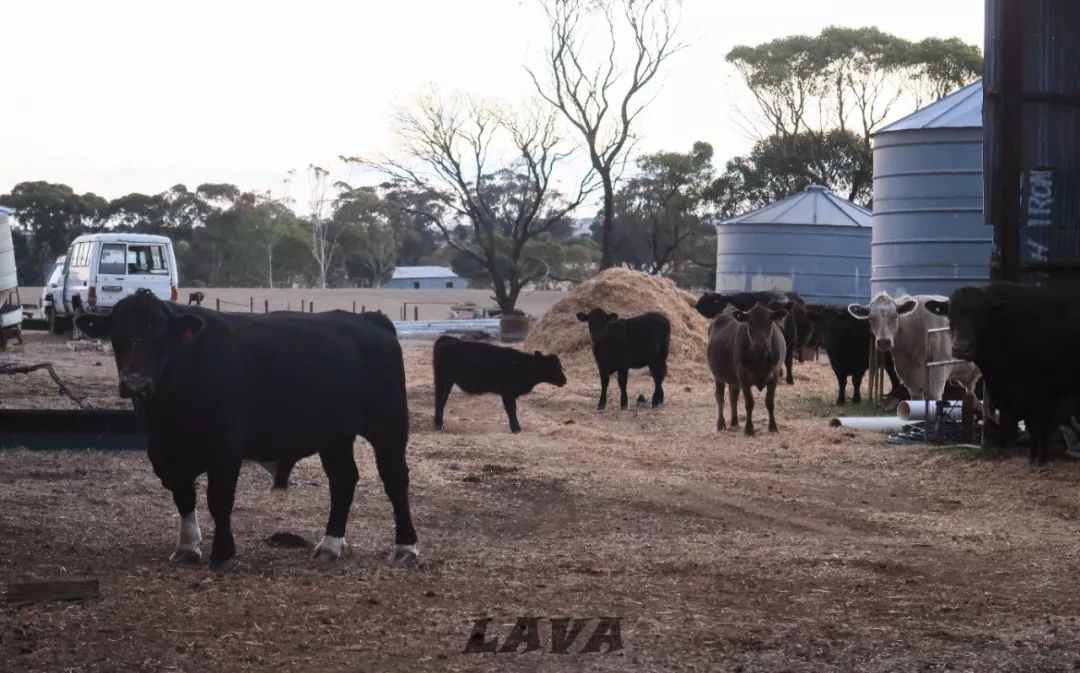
[612, 317]
[907, 307]
[538, 354]
[859, 311]
[582, 317]
[741, 316]
[940, 308]
[94, 326]
[779, 315]
[185, 327]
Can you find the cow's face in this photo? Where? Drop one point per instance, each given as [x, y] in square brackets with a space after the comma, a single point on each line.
[884, 314]
[598, 320]
[144, 333]
[551, 370]
[711, 304]
[759, 321]
[969, 311]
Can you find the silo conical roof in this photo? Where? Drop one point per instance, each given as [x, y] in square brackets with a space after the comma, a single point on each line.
[960, 109]
[814, 206]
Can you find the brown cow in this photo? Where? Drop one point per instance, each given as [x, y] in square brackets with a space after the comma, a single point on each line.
[746, 348]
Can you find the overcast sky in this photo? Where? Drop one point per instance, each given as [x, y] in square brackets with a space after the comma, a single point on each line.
[114, 96]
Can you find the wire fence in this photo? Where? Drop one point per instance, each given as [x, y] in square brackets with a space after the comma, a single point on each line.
[409, 310]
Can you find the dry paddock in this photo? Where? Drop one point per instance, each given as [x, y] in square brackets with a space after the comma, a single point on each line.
[816, 549]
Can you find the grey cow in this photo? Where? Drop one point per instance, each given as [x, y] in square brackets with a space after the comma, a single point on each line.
[900, 327]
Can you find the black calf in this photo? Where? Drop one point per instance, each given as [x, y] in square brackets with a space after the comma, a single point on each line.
[479, 368]
[620, 345]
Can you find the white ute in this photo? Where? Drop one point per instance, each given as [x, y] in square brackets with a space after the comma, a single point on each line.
[101, 269]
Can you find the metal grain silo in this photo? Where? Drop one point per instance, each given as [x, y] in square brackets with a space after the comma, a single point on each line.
[929, 232]
[1032, 133]
[814, 243]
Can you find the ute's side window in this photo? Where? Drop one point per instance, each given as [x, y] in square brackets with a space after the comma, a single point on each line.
[112, 259]
[147, 259]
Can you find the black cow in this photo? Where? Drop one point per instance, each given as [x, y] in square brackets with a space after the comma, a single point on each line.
[1023, 340]
[479, 368]
[712, 304]
[216, 389]
[622, 344]
[847, 341]
[196, 298]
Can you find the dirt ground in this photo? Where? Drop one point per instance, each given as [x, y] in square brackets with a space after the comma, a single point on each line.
[817, 549]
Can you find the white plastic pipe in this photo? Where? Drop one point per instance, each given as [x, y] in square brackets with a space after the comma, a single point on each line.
[919, 410]
[871, 423]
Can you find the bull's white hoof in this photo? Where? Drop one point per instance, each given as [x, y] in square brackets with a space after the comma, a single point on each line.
[404, 553]
[330, 548]
[186, 556]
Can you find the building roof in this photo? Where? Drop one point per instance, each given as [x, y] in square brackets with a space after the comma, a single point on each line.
[814, 206]
[413, 272]
[960, 109]
[7, 211]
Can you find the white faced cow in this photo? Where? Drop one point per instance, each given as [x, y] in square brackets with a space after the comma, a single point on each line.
[900, 327]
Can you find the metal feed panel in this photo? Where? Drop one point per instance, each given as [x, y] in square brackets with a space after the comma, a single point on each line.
[825, 264]
[929, 233]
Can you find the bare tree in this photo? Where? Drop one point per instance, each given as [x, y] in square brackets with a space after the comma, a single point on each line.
[601, 100]
[489, 210]
[324, 236]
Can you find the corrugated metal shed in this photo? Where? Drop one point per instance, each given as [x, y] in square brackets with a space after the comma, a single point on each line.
[929, 234]
[815, 243]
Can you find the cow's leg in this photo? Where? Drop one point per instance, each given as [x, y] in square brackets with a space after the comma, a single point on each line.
[341, 472]
[188, 549]
[604, 377]
[220, 495]
[389, 450]
[733, 393]
[510, 404]
[720, 425]
[442, 393]
[841, 387]
[1035, 435]
[788, 357]
[770, 404]
[658, 371]
[748, 404]
[624, 400]
[856, 383]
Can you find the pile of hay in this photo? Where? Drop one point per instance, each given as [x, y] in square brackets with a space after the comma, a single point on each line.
[628, 293]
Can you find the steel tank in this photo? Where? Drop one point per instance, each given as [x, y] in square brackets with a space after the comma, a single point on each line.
[930, 236]
[814, 242]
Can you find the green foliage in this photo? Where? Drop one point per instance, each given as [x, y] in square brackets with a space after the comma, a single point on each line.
[659, 211]
[821, 99]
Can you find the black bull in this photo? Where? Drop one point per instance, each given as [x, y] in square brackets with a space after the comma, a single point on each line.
[217, 389]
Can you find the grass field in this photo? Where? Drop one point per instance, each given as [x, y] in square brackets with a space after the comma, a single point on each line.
[431, 304]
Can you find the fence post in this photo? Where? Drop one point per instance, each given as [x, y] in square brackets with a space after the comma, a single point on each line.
[415, 313]
[301, 305]
[251, 301]
[266, 305]
[363, 309]
[218, 302]
[354, 306]
[311, 307]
